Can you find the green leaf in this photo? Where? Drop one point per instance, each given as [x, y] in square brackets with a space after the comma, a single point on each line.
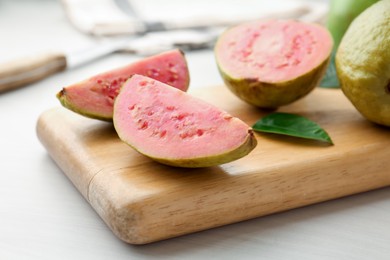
[330, 79]
[292, 125]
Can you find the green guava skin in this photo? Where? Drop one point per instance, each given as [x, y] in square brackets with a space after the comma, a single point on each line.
[208, 161]
[273, 95]
[363, 63]
[342, 13]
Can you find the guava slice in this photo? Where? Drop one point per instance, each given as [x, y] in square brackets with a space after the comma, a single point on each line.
[363, 63]
[175, 128]
[94, 97]
[272, 63]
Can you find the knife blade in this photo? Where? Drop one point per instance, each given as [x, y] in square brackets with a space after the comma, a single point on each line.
[27, 70]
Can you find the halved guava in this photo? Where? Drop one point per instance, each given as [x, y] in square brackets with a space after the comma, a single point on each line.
[175, 128]
[94, 97]
[273, 62]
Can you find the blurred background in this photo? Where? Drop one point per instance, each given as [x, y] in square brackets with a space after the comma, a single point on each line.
[133, 28]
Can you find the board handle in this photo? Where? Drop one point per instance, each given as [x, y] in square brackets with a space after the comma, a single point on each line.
[23, 71]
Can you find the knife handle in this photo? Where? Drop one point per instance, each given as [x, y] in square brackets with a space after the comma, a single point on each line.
[23, 71]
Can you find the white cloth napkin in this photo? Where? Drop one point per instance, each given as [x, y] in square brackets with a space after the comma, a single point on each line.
[105, 17]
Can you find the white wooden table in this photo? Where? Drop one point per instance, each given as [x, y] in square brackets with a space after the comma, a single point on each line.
[42, 215]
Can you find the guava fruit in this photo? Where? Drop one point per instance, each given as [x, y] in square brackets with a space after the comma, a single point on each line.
[363, 63]
[94, 97]
[271, 63]
[342, 13]
[175, 128]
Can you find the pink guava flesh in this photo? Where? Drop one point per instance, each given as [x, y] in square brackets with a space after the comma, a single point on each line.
[95, 96]
[165, 123]
[273, 51]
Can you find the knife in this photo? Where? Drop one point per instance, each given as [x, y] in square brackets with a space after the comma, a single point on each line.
[23, 71]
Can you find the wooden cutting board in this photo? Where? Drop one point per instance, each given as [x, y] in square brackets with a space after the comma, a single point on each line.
[143, 201]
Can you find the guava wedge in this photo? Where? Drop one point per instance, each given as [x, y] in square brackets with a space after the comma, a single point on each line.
[363, 63]
[177, 129]
[271, 63]
[94, 97]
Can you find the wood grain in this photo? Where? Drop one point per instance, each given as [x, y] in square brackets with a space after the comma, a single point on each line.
[143, 201]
